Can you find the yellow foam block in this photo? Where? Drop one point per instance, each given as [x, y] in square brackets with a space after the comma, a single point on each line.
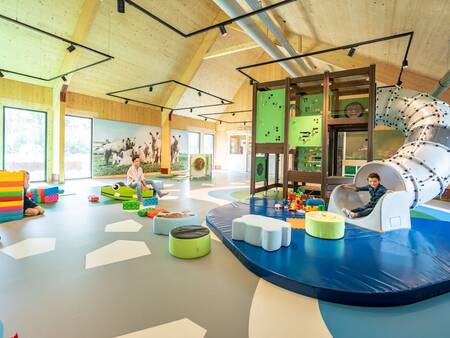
[13, 176]
[11, 204]
[10, 189]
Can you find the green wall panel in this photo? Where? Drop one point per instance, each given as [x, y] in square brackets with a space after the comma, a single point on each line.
[270, 116]
[309, 159]
[305, 131]
[260, 168]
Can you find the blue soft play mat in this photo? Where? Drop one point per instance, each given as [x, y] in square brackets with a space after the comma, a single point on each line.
[363, 268]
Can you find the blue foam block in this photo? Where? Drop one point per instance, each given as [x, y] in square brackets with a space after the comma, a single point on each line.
[146, 202]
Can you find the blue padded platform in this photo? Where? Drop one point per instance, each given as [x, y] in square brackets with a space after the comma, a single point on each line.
[364, 268]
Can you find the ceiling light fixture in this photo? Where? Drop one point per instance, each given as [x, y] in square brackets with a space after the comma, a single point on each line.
[150, 89]
[405, 63]
[399, 83]
[191, 110]
[126, 101]
[1, 74]
[245, 123]
[234, 114]
[162, 109]
[351, 51]
[71, 48]
[64, 78]
[206, 119]
[199, 93]
[221, 101]
[223, 31]
[121, 6]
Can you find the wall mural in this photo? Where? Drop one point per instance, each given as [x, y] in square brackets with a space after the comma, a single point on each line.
[116, 142]
[179, 150]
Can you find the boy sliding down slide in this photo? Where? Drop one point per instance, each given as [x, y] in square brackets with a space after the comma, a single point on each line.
[375, 189]
[29, 207]
[136, 179]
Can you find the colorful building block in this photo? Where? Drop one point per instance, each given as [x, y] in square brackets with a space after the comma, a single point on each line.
[155, 212]
[143, 212]
[150, 201]
[50, 199]
[131, 205]
[11, 195]
[93, 198]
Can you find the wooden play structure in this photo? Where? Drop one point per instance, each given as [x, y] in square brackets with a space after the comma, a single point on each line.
[300, 124]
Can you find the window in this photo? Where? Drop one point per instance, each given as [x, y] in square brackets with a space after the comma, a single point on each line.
[194, 143]
[78, 147]
[24, 141]
[208, 144]
[237, 144]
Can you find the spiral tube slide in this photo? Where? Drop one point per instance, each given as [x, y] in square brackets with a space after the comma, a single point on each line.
[422, 165]
[419, 171]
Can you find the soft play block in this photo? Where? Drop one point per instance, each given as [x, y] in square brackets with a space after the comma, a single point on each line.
[163, 225]
[153, 213]
[325, 224]
[11, 215]
[49, 191]
[131, 205]
[143, 212]
[146, 202]
[50, 198]
[267, 232]
[12, 176]
[189, 242]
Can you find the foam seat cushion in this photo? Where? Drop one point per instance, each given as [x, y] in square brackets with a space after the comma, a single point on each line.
[266, 232]
[325, 224]
[189, 242]
[163, 225]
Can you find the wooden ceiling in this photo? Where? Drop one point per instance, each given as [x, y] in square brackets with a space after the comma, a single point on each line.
[145, 51]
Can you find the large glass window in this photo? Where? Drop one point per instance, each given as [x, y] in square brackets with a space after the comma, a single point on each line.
[78, 147]
[208, 144]
[194, 143]
[24, 142]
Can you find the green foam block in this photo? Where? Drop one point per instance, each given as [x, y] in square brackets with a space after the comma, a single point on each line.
[324, 224]
[189, 242]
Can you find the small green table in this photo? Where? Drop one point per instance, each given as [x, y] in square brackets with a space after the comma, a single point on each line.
[324, 224]
[191, 241]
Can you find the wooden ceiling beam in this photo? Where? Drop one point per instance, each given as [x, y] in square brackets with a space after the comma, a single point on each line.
[231, 50]
[87, 15]
[385, 73]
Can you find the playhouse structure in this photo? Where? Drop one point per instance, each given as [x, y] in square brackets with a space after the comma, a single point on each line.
[299, 129]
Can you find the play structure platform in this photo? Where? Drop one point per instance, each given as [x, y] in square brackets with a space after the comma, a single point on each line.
[364, 268]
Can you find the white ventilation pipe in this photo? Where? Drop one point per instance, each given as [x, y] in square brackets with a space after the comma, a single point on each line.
[233, 9]
[255, 5]
[422, 165]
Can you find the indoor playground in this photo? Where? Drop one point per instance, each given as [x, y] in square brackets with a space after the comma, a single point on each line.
[224, 168]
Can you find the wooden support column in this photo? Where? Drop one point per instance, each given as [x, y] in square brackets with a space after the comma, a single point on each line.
[253, 157]
[286, 136]
[277, 169]
[372, 110]
[324, 166]
[266, 177]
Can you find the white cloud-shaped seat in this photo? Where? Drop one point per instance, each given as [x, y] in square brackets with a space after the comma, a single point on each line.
[266, 232]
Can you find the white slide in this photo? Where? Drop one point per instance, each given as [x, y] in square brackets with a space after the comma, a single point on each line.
[418, 172]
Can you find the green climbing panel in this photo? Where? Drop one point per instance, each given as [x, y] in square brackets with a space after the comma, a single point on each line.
[260, 168]
[358, 107]
[270, 116]
[309, 159]
[311, 104]
[305, 131]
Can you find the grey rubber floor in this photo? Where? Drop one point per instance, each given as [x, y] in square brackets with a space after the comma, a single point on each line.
[51, 295]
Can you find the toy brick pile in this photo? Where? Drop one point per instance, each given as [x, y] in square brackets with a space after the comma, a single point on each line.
[11, 195]
[44, 195]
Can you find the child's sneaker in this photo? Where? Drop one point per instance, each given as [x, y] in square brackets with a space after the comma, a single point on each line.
[346, 212]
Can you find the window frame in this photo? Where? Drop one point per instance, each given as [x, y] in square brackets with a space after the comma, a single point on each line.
[92, 147]
[45, 133]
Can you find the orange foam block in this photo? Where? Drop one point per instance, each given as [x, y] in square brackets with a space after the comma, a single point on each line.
[296, 223]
